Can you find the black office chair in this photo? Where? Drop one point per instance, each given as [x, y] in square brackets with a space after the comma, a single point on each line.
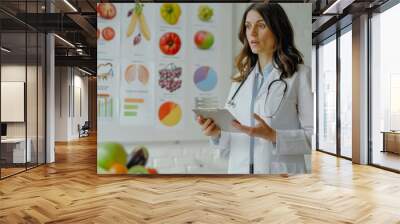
[84, 130]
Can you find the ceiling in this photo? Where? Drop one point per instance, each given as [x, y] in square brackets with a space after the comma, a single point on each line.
[332, 15]
[79, 27]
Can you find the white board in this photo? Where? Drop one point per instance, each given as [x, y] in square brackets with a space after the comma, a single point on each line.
[12, 101]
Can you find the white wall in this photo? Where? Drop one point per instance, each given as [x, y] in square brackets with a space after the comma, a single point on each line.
[300, 16]
[61, 103]
[69, 82]
[33, 127]
[16, 73]
[80, 85]
[13, 73]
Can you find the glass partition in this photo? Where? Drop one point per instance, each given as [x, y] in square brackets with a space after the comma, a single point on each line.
[327, 96]
[13, 108]
[22, 89]
[31, 99]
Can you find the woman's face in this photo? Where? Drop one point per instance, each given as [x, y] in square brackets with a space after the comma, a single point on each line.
[260, 37]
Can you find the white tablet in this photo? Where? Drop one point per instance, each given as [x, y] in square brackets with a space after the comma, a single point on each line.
[221, 117]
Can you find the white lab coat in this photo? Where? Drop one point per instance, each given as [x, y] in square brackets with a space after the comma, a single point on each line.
[293, 124]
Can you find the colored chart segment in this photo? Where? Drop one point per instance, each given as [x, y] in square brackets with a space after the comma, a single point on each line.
[169, 114]
[104, 105]
[131, 106]
[205, 78]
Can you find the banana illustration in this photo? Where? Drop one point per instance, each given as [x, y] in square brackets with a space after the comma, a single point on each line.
[138, 14]
[144, 28]
[132, 25]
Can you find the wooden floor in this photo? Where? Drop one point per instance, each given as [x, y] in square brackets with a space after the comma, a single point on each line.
[5, 172]
[10, 171]
[387, 159]
[70, 191]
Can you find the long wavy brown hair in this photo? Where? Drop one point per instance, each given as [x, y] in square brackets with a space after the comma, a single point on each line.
[286, 55]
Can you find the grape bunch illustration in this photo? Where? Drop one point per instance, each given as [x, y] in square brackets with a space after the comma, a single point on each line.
[170, 77]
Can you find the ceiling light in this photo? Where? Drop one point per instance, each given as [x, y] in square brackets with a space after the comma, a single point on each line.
[84, 71]
[70, 5]
[5, 50]
[65, 41]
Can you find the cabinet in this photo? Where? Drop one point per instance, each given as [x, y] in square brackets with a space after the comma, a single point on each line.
[391, 141]
[13, 150]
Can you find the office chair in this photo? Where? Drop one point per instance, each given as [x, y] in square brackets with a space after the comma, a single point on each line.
[84, 130]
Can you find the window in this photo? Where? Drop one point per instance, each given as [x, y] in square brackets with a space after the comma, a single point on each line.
[327, 96]
[346, 93]
[385, 88]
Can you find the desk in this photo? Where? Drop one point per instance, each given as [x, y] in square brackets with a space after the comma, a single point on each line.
[16, 147]
[391, 141]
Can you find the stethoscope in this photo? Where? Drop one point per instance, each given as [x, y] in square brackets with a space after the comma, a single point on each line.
[232, 103]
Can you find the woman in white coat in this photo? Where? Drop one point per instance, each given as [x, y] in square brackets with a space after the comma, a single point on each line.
[270, 97]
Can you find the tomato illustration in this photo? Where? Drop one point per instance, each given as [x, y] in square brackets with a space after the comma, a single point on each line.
[170, 43]
[108, 33]
[152, 171]
[106, 10]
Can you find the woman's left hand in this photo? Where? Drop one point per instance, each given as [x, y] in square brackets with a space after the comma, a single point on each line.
[262, 129]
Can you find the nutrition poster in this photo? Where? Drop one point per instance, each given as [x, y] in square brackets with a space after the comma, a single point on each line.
[158, 61]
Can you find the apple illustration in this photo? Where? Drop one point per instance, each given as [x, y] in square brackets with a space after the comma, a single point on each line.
[108, 33]
[106, 10]
[203, 39]
[110, 153]
[138, 170]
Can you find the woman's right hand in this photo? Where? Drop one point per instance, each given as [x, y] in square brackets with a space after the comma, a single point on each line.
[209, 127]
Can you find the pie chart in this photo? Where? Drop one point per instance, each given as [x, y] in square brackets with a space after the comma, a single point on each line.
[169, 114]
[205, 78]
